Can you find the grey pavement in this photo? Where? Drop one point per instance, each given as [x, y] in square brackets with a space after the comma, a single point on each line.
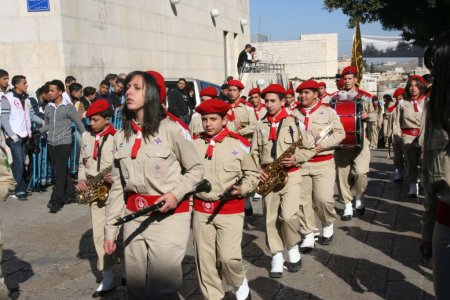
[51, 256]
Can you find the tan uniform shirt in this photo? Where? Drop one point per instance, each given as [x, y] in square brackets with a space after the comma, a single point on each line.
[167, 162]
[261, 113]
[245, 115]
[262, 147]
[231, 159]
[319, 121]
[408, 118]
[388, 118]
[326, 99]
[87, 165]
[195, 126]
[376, 116]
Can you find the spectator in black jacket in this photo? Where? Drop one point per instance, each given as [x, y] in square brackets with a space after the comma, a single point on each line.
[88, 97]
[180, 102]
[243, 58]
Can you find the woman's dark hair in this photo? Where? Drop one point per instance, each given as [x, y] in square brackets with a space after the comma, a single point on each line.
[387, 98]
[420, 85]
[153, 110]
[440, 91]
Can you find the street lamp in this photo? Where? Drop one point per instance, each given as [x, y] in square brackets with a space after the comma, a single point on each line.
[260, 82]
[174, 2]
[215, 13]
[243, 22]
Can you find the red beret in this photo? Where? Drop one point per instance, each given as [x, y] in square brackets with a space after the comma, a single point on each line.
[161, 85]
[213, 106]
[290, 92]
[209, 91]
[398, 92]
[416, 77]
[322, 84]
[340, 83]
[274, 88]
[254, 91]
[308, 84]
[98, 106]
[236, 83]
[349, 70]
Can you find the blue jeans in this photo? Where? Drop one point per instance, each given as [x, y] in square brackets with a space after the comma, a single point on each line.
[18, 165]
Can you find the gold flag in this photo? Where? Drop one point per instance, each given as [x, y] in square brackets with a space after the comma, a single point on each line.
[357, 57]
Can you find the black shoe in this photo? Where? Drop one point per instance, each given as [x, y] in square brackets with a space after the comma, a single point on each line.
[361, 211]
[346, 218]
[98, 294]
[293, 267]
[55, 207]
[249, 212]
[123, 281]
[22, 197]
[412, 195]
[325, 240]
[275, 274]
[305, 250]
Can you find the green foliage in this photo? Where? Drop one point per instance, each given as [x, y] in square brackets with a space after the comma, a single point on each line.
[418, 20]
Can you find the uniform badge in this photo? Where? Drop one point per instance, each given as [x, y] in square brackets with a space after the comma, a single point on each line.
[157, 141]
[234, 152]
[208, 206]
[140, 202]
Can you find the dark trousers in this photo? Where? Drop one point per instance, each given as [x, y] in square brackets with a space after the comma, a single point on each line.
[64, 188]
[18, 165]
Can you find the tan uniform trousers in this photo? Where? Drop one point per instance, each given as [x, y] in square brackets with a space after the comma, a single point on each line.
[373, 134]
[98, 218]
[412, 157]
[352, 168]
[218, 252]
[280, 209]
[317, 189]
[153, 256]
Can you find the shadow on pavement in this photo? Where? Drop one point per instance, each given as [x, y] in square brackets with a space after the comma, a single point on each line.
[16, 271]
[268, 288]
[87, 251]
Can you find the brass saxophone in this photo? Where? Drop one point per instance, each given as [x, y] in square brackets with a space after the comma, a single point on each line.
[97, 190]
[278, 176]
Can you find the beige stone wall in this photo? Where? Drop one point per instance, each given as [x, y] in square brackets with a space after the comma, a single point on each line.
[90, 38]
[312, 55]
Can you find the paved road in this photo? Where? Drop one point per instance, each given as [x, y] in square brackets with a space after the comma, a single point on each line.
[50, 256]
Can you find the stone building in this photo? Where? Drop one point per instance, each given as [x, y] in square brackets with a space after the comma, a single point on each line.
[90, 38]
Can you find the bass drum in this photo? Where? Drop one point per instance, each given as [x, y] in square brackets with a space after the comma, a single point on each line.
[350, 114]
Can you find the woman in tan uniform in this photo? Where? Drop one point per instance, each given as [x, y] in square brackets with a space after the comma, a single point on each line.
[154, 161]
[399, 161]
[375, 121]
[389, 108]
[409, 122]
[436, 167]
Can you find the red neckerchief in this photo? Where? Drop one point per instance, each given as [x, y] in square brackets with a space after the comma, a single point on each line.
[416, 102]
[293, 105]
[212, 142]
[109, 130]
[137, 142]
[177, 120]
[393, 107]
[231, 116]
[258, 109]
[274, 123]
[306, 113]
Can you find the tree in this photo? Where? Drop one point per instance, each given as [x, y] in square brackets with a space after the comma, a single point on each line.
[418, 20]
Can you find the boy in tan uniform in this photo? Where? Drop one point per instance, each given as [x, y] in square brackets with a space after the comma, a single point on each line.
[195, 126]
[409, 121]
[255, 99]
[273, 136]
[241, 117]
[96, 155]
[353, 164]
[318, 174]
[218, 226]
[291, 102]
[399, 161]
[323, 95]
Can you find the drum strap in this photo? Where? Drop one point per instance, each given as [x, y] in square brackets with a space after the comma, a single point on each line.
[273, 152]
[100, 151]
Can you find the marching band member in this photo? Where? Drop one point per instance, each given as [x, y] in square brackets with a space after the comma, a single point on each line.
[318, 174]
[399, 161]
[273, 136]
[255, 99]
[218, 225]
[374, 123]
[154, 161]
[291, 102]
[389, 108]
[195, 126]
[241, 117]
[96, 155]
[409, 121]
[323, 95]
[353, 164]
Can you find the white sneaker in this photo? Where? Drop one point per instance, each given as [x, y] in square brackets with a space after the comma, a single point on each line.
[257, 197]
[348, 212]
[243, 291]
[106, 285]
[295, 261]
[277, 265]
[413, 190]
[360, 207]
[307, 243]
[327, 234]
[398, 175]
